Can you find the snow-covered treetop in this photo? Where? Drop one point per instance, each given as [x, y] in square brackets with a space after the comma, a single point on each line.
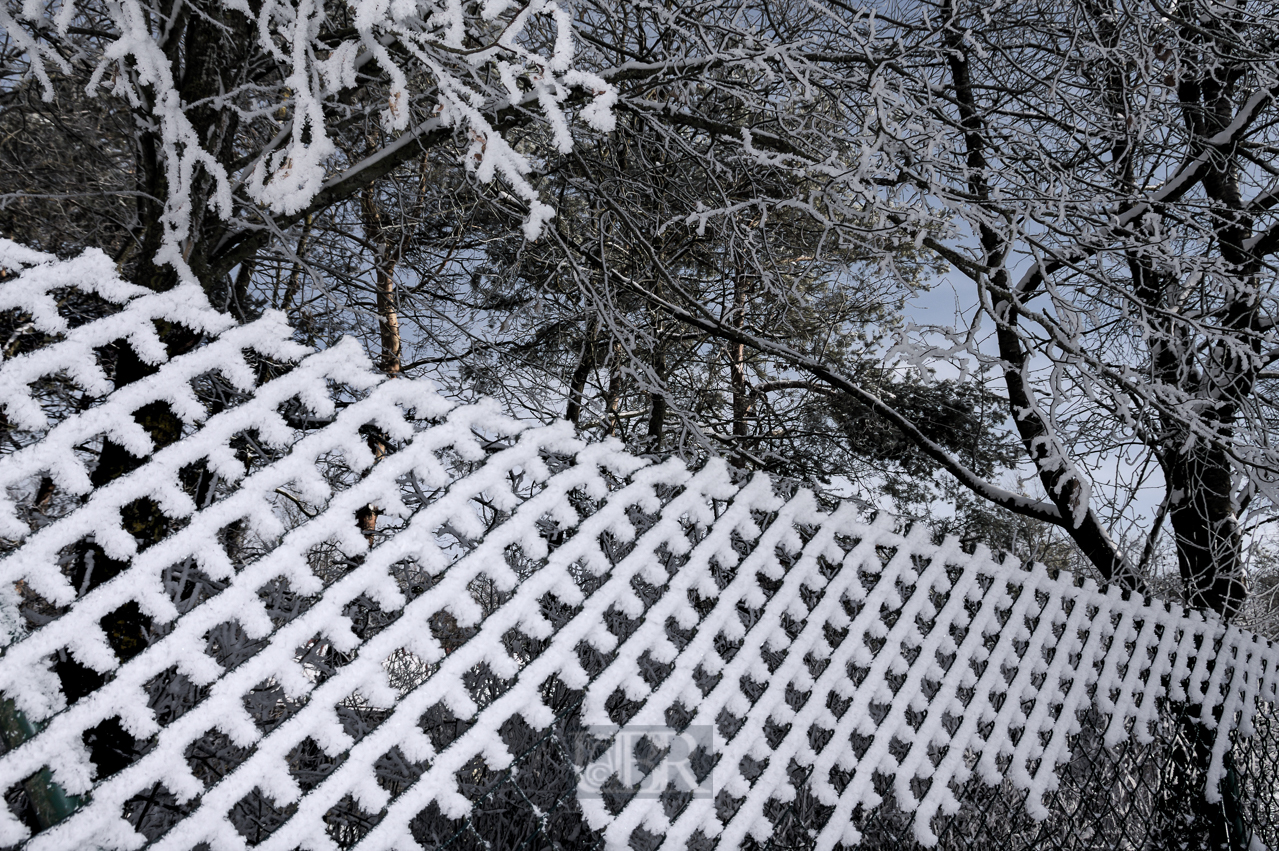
[446, 48]
[654, 591]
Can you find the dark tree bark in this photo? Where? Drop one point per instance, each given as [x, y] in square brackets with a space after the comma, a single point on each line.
[582, 374]
[741, 393]
[657, 397]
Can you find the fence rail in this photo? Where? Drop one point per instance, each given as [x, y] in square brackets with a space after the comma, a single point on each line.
[540, 642]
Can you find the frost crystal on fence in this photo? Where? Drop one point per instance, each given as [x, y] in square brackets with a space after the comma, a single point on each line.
[657, 597]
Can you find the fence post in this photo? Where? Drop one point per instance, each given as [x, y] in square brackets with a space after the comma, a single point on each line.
[1191, 819]
[50, 804]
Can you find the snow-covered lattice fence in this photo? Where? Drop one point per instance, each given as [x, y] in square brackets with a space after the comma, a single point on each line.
[306, 686]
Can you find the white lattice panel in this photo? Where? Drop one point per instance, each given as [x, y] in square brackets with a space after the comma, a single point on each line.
[872, 649]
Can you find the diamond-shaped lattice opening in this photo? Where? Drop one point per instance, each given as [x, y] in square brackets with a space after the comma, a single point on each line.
[556, 610]
[395, 773]
[484, 685]
[154, 812]
[818, 663]
[36, 800]
[752, 687]
[586, 747]
[445, 629]
[652, 671]
[367, 618]
[522, 647]
[613, 792]
[442, 726]
[256, 816]
[346, 822]
[320, 659]
[188, 586]
[269, 706]
[430, 828]
[213, 756]
[773, 659]
[704, 680]
[228, 644]
[405, 670]
[727, 724]
[620, 623]
[518, 736]
[838, 705]
[544, 775]
[699, 841]
[75, 679]
[281, 603]
[234, 538]
[818, 737]
[750, 768]
[413, 580]
[126, 630]
[726, 806]
[200, 482]
[678, 716]
[310, 765]
[642, 839]
[774, 733]
[20, 805]
[621, 708]
[681, 636]
[591, 658]
[795, 698]
[172, 695]
[111, 748]
[358, 717]
[646, 752]
[42, 503]
[674, 799]
[702, 761]
[898, 748]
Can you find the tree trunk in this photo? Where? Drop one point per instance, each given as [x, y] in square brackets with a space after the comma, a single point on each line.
[387, 255]
[577, 384]
[1206, 529]
[737, 375]
[366, 517]
[1061, 481]
[613, 400]
[657, 416]
[294, 284]
[388, 321]
[377, 230]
